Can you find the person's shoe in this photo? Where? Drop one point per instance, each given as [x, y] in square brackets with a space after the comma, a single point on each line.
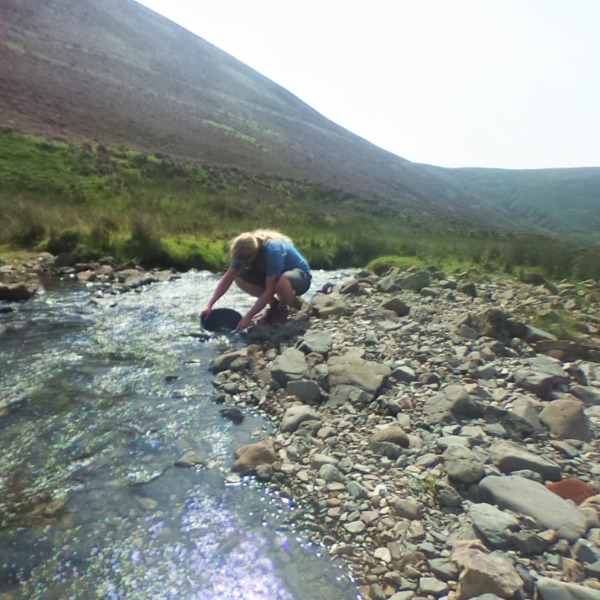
[266, 317]
[279, 315]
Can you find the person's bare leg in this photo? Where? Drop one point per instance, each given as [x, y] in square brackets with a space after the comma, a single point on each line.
[285, 292]
[255, 290]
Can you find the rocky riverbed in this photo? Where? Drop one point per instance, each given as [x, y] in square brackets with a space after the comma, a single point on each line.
[425, 433]
[429, 436]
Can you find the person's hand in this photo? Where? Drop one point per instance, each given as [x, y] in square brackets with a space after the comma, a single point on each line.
[244, 322]
[205, 312]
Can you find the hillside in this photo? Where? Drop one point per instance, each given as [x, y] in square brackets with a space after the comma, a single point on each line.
[564, 201]
[115, 73]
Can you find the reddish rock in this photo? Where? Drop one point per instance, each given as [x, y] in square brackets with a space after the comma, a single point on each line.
[572, 489]
[251, 456]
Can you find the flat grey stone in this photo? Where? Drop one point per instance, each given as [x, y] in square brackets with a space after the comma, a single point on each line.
[331, 473]
[295, 415]
[443, 568]
[509, 457]
[448, 496]
[586, 552]
[541, 376]
[587, 394]
[529, 543]
[433, 586]
[316, 341]
[526, 410]
[290, 365]
[552, 589]
[353, 371]
[527, 497]
[463, 465]
[493, 524]
[306, 390]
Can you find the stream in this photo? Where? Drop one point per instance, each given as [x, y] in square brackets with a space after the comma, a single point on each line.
[99, 397]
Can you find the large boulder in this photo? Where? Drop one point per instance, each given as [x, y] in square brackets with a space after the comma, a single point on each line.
[290, 365]
[483, 573]
[316, 341]
[396, 305]
[306, 390]
[541, 376]
[463, 465]
[494, 525]
[531, 498]
[351, 370]
[225, 360]
[454, 402]
[17, 292]
[491, 322]
[552, 589]
[404, 280]
[328, 305]
[296, 415]
[566, 419]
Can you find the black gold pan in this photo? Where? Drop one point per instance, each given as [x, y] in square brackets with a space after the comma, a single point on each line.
[221, 319]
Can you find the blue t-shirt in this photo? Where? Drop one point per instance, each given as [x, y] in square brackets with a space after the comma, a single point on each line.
[278, 256]
[282, 256]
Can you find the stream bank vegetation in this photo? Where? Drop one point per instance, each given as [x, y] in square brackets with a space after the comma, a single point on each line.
[96, 200]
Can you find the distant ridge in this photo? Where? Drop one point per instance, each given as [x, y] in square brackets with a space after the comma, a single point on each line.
[114, 72]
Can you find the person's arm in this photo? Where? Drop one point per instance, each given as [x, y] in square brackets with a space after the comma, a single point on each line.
[265, 298]
[222, 287]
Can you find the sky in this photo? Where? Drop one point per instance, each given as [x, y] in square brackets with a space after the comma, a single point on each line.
[456, 83]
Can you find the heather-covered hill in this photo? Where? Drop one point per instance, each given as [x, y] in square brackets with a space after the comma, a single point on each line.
[113, 72]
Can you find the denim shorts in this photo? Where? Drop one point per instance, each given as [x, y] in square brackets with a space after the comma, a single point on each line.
[299, 278]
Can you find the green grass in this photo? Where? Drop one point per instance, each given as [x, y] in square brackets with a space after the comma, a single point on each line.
[15, 47]
[98, 201]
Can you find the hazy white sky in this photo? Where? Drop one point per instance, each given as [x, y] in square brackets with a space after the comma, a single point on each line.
[455, 83]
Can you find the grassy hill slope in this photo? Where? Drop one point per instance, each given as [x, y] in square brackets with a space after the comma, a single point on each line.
[151, 140]
[113, 72]
[564, 201]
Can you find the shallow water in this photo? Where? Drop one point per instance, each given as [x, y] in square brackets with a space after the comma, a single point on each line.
[98, 399]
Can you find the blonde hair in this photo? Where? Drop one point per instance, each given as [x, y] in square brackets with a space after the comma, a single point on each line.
[245, 247]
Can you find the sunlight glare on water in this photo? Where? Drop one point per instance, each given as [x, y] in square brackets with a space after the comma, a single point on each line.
[101, 396]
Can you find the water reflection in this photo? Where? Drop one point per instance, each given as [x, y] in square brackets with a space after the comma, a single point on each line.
[100, 399]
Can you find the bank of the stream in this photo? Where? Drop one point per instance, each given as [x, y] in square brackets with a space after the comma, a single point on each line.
[424, 432]
[434, 439]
